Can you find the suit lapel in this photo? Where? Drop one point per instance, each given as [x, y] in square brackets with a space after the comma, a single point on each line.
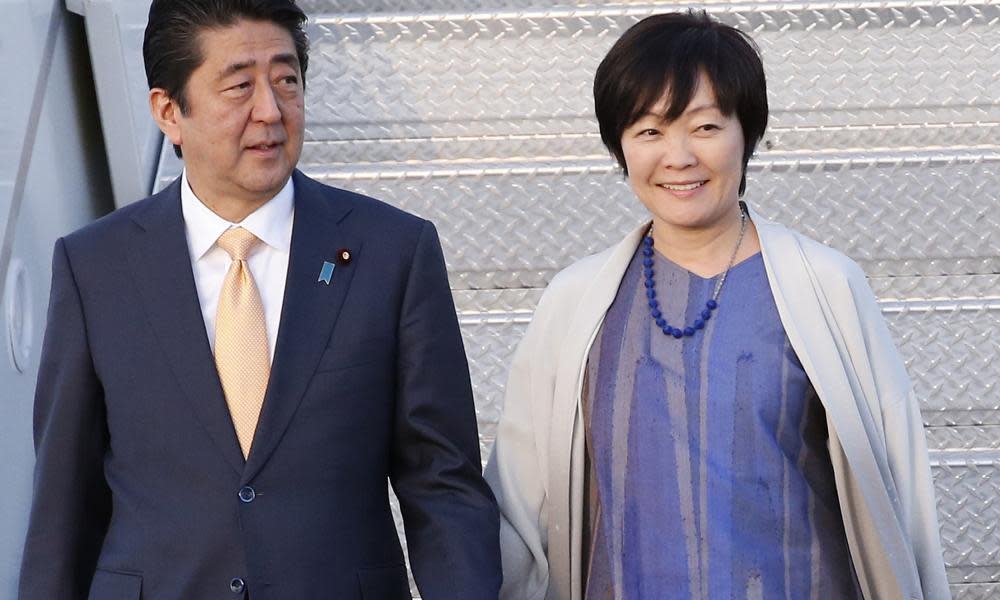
[161, 265]
[309, 310]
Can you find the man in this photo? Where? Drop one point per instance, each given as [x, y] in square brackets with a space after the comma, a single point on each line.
[234, 367]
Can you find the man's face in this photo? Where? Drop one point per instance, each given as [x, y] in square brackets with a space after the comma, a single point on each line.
[242, 135]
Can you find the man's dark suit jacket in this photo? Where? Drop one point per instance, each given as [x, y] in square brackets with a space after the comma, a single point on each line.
[141, 489]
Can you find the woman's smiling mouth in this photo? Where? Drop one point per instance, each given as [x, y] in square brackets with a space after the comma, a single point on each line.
[682, 187]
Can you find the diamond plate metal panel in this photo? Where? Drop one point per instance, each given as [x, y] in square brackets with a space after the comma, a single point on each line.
[423, 6]
[829, 64]
[463, 147]
[956, 287]
[452, 149]
[369, 7]
[887, 129]
[490, 347]
[490, 306]
[515, 224]
[951, 355]
[960, 439]
[968, 497]
[976, 591]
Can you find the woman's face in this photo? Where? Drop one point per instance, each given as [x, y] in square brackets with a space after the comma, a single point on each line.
[686, 172]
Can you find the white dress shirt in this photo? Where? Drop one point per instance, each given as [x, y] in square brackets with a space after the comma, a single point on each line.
[268, 261]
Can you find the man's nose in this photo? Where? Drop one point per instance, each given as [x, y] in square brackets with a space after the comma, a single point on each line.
[265, 105]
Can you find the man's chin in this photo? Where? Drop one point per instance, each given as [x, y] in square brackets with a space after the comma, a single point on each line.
[266, 185]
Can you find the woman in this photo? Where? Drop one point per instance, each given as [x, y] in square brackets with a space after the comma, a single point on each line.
[712, 408]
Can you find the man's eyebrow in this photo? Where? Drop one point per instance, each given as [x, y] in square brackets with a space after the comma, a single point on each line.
[286, 58]
[236, 67]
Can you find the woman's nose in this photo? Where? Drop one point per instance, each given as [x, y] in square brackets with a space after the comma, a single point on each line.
[677, 153]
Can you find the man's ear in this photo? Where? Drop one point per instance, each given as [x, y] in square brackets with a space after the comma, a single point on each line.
[166, 112]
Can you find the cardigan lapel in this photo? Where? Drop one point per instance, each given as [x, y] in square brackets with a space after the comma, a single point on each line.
[801, 297]
[566, 435]
[309, 309]
[161, 266]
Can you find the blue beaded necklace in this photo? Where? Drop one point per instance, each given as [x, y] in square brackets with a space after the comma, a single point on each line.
[710, 305]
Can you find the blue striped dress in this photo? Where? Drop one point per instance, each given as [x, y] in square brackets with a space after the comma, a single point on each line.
[708, 473]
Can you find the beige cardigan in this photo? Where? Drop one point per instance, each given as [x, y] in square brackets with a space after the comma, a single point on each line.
[877, 442]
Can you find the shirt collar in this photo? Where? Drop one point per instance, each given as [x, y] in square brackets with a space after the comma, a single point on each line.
[271, 223]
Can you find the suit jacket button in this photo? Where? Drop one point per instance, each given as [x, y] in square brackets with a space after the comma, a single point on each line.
[237, 586]
[247, 495]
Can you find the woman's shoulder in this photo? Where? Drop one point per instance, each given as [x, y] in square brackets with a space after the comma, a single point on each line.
[578, 275]
[564, 292]
[828, 271]
[826, 261]
[572, 285]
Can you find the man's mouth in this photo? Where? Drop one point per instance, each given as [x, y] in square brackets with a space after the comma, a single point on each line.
[265, 147]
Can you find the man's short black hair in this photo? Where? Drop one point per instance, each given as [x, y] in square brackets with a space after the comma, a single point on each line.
[665, 54]
[170, 48]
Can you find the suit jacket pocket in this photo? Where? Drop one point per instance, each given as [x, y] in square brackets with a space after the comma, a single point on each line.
[352, 354]
[384, 583]
[115, 585]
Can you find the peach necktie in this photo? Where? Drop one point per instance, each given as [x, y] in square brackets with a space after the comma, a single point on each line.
[241, 353]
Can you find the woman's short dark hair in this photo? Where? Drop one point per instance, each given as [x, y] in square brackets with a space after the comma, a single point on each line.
[170, 48]
[665, 54]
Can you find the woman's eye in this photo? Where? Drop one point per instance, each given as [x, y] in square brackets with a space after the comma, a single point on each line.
[708, 127]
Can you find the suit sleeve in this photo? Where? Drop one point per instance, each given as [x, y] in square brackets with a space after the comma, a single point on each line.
[449, 512]
[71, 503]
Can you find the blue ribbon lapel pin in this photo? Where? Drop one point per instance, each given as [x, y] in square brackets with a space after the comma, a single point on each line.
[326, 273]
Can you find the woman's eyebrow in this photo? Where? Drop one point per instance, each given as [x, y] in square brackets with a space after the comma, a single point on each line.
[702, 108]
[690, 111]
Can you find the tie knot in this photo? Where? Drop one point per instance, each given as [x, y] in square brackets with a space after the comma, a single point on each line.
[237, 242]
